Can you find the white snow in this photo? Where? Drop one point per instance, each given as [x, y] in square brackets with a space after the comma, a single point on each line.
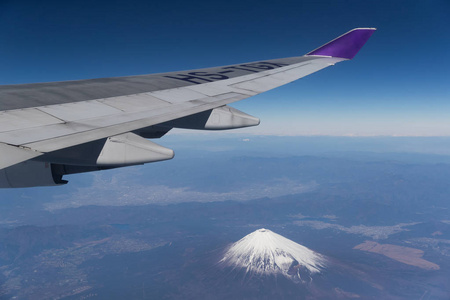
[266, 252]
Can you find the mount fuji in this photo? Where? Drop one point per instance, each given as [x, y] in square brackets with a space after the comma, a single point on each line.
[264, 252]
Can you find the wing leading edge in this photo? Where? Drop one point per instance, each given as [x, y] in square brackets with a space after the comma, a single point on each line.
[67, 124]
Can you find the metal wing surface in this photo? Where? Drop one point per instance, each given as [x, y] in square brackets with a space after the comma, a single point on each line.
[61, 122]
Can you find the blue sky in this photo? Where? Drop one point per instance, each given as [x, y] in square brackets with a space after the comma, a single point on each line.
[397, 85]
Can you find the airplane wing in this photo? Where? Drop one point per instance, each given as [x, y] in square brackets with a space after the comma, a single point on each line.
[48, 130]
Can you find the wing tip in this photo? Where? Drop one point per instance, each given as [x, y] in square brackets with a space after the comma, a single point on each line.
[347, 45]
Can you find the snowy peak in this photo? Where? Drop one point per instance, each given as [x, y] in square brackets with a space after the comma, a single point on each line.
[266, 252]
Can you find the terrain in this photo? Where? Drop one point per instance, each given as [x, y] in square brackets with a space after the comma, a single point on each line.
[381, 219]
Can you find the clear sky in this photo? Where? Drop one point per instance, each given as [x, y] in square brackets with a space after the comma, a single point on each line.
[397, 85]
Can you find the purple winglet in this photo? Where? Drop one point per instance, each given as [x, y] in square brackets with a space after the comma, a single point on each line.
[347, 45]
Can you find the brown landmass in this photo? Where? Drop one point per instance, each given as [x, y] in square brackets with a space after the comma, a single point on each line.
[406, 255]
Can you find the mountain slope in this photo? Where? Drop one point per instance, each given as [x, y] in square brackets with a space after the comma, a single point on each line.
[265, 252]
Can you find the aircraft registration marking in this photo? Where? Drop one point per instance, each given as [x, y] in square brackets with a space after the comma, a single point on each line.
[202, 77]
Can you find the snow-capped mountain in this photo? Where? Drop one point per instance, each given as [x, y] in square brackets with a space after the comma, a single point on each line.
[265, 252]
